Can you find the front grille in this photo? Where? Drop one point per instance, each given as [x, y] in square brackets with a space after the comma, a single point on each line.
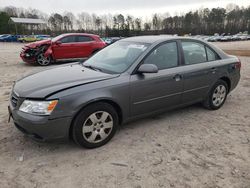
[14, 100]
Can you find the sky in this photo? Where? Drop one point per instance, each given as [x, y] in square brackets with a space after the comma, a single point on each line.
[138, 8]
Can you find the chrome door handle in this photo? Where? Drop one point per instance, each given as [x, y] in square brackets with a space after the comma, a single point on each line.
[177, 77]
[213, 70]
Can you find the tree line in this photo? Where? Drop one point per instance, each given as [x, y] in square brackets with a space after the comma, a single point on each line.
[232, 19]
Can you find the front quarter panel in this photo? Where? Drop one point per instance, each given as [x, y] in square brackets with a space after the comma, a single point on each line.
[71, 101]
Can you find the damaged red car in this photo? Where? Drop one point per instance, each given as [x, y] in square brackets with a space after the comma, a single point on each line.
[65, 47]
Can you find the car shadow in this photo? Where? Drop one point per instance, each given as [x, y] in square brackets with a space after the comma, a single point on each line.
[163, 115]
[135, 125]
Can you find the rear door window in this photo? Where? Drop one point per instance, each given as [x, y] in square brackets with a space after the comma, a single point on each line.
[84, 39]
[194, 52]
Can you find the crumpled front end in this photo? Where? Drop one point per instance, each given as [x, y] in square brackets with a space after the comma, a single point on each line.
[29, 54]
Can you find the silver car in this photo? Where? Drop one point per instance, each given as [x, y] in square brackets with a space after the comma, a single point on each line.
[131, 78]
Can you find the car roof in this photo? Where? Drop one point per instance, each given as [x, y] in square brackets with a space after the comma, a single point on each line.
[150, 39]
[156, 39]
[84, 34]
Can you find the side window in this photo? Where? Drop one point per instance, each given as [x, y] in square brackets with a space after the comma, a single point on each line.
[194, 52]
[68, 39]
[84, 39]
[211, 55]
[165, 56]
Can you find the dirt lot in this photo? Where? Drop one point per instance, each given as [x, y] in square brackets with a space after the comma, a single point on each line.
[190, 147]
[239, 48]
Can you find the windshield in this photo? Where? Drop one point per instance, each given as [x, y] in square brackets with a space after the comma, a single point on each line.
[117, 57]
[56, 38]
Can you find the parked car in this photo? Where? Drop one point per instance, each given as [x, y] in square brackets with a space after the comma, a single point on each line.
[42, 37]
[214, 38]
[236, 37]
[111, 40]
[9, 38]
[226, 38]
[64, 47]
[28, 38]
[108, 41]
[131, 78]
[243, 37]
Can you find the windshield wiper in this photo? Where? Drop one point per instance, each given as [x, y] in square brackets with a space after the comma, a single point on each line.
[93, 68]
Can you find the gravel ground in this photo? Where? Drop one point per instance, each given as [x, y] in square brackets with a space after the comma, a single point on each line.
[190, 147]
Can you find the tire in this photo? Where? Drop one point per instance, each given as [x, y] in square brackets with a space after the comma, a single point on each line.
[89, 130]
[43, 61]
[216, 96]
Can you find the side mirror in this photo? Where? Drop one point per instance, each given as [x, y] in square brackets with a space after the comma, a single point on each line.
[148, 68]
[58, 42]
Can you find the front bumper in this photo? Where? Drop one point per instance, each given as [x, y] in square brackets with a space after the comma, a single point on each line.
[41, 128]
[28, 55]
[27, 59]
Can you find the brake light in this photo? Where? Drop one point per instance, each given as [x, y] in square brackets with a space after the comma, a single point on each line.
[238, 64]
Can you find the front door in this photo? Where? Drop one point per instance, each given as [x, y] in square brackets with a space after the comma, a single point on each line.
[155, 91]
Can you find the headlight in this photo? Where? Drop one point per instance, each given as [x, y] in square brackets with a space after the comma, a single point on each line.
[38, 107]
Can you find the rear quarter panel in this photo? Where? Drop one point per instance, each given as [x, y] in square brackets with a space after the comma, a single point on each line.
[226, 68]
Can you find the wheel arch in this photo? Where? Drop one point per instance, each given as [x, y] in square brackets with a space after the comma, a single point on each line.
[104, 100]
[227, 80]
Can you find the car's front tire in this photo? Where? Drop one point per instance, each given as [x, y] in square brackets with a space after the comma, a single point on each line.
[216, 96]
[95, 125]
[42, 60]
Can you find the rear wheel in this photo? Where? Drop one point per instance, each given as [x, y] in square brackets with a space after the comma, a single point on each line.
[42, 60]
[217, 95]
[95, 125]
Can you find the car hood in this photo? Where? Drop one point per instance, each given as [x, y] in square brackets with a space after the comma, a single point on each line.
[38, 43]
[45, 83]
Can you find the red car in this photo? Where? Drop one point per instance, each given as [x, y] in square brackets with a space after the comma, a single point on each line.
[65, 47]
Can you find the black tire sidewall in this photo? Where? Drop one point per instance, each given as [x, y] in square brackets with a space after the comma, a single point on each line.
[84, 114]
[210, 102]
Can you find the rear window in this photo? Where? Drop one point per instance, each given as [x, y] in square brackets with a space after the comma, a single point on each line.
[211, 55]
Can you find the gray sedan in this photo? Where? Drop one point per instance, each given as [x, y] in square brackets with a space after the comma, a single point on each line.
[131, 78]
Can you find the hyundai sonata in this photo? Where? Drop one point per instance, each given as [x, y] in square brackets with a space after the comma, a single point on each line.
[131, 78]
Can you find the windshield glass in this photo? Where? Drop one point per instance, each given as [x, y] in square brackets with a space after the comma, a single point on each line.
[56, 38]
[117, 57]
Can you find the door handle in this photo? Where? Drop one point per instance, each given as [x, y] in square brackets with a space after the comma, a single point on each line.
[213, 70]
[177, 77]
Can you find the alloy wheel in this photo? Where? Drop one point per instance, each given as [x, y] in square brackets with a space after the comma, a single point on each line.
[219, 95]
[97, 127]
[42, 60]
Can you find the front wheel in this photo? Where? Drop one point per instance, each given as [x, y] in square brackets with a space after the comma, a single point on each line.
[42, 60]
[95, 125]
[217, 95]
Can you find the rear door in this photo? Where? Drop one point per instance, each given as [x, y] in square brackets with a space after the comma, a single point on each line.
[66, 49]
[84, 45]
[201, 70]
[155, 91]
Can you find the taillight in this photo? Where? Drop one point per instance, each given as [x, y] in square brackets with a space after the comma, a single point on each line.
[238, 64]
